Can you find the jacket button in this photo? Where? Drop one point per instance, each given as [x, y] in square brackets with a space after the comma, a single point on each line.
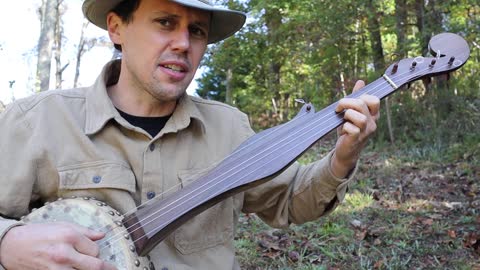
[152, 147]
[150, 195]
[97, 179]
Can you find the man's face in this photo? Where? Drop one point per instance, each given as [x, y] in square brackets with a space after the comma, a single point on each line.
[162, 47]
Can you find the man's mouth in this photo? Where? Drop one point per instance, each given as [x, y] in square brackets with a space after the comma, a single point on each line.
[176, 68]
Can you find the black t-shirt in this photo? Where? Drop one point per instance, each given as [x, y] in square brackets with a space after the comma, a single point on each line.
[152, 125]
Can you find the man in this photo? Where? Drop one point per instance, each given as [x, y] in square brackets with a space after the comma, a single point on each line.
[135, 135]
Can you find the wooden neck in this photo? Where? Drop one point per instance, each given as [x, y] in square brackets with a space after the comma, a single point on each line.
[261, 157]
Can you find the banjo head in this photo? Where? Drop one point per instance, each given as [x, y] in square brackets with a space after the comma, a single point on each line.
[116, 247]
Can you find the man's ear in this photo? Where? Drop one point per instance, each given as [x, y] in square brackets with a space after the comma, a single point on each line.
[114, 23]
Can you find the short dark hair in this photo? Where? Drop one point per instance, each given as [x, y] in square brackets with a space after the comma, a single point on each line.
[125, 10]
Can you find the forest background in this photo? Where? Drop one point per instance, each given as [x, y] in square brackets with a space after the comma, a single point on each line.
[415, 204]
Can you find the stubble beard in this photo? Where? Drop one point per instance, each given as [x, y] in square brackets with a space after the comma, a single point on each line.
[162, 92]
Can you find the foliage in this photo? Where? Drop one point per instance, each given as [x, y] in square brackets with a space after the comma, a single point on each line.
[315, 50]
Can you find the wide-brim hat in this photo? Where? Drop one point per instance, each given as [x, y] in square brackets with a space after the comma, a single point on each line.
[223, 22]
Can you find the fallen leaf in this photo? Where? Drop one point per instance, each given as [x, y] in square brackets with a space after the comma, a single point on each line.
[472, 240]
[293, 255]
[271, 255]
[427, 221]
[452, 234]
[378, 265]
[360, 235]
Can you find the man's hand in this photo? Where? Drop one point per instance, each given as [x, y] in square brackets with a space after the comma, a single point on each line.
[361, 115]
[51, 246]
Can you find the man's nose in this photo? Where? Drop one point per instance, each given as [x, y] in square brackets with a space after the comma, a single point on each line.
[181, 40]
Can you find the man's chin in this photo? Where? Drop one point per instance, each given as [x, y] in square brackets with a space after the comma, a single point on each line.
[170, 95]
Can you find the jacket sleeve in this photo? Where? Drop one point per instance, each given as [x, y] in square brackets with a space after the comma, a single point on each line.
[300, 194]
[17, 168]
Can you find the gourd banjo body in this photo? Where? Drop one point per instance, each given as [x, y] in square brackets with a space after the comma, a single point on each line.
[257, 160]
[116, 248]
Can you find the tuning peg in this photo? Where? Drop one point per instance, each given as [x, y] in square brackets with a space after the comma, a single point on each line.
[408, 85]
[414, 64]
[448, 76]
[307, 106]
[395, 68]
[450, 62]
[433, 62]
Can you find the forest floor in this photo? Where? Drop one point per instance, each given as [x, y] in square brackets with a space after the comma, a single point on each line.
[402, 212]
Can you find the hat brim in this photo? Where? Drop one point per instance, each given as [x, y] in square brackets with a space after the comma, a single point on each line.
[223, 22]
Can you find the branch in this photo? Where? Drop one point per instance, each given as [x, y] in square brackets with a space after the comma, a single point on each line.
[476, 44]
[64, 67]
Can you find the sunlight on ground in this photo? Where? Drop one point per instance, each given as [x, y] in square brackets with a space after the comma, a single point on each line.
[354, 202]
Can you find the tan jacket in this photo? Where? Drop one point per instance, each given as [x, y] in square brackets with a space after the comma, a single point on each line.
[58, 143]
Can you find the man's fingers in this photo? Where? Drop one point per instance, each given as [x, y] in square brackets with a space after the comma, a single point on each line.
[373, 104]
[358, 85]
[85, 262]
[91, 234]
[352, 103]
[83, 240]
[86, 246]
[350, 129]
[356, 118]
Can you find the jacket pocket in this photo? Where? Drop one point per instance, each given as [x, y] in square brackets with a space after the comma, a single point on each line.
[209, 229]
[96, 175]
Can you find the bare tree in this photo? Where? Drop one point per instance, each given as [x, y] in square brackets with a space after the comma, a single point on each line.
[82, 48]
[45, 43]
[86, 44]
[59, 10]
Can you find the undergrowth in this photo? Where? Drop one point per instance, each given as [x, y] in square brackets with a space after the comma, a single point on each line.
[415, 204]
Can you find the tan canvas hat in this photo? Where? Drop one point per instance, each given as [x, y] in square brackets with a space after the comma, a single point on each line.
[224, 22]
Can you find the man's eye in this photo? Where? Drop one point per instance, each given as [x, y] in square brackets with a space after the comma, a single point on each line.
[198, 32]
[164, 22]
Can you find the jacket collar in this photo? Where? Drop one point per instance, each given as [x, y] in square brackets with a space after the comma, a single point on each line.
[100, 109]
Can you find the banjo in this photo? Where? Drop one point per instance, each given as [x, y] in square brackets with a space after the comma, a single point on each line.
[130, 237]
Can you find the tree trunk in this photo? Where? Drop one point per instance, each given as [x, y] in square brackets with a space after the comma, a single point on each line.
[228, 92]
[58, 45]
[420, 14]
[45, 44]
[80, 52]
[401, 23]
[378, 57]
[375, 38]
[273, 20]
